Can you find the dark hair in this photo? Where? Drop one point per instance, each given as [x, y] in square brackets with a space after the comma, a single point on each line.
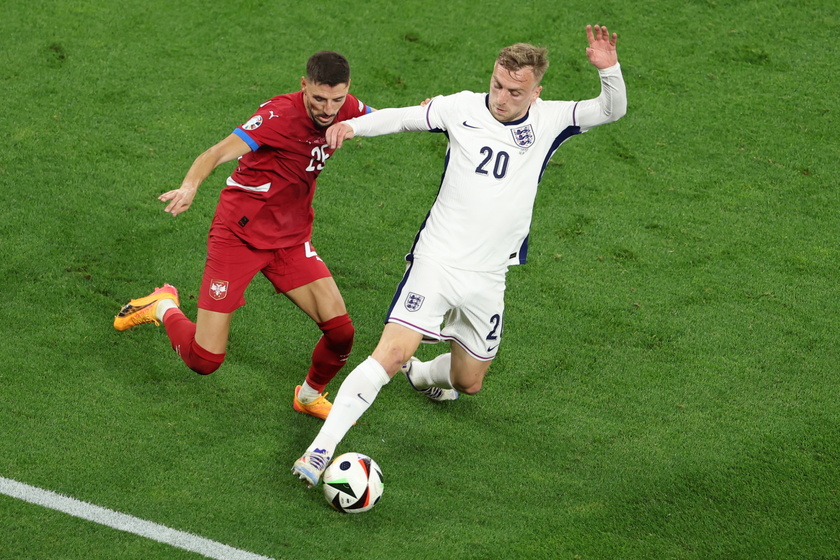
[328, 68]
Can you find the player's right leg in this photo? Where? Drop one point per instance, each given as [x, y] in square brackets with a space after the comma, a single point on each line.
[201, 345]
[202, 353]
[230, 266]
[145, 309]
[356, 394]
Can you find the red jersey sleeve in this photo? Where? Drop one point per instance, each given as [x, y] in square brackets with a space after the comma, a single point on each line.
[285, 116]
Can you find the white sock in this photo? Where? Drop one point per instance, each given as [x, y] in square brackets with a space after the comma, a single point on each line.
[163, 306]
[435, 373]
[307, 394]
[356, 394]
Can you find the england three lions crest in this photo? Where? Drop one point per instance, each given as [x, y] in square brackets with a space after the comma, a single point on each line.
[523, 136]
[413, 301]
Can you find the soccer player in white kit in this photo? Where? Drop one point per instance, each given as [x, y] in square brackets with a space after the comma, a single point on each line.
[499, 145]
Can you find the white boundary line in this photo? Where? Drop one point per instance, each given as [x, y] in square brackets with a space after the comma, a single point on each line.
[123, 522]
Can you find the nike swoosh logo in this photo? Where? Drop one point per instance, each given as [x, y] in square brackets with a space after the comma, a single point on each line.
[469, 125]
[361, 397]
[490, 349]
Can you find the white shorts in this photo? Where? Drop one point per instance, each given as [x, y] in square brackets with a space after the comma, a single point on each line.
[469, 305]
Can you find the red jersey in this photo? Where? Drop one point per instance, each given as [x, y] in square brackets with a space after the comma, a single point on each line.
[268, 199]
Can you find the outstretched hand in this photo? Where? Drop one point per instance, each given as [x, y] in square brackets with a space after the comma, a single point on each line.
[337, 134]
[179, 200]
[601, 51]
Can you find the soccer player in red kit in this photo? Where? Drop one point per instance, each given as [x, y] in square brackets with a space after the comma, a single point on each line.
[263, 223]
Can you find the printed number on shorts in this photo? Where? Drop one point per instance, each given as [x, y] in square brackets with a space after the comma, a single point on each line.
[496, 323]
[310, 252]
[319, 158]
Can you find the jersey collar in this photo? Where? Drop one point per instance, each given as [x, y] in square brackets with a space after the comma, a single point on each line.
[512, 123]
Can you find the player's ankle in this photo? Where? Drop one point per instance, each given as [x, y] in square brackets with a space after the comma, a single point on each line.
[163, 306]
[307, 394]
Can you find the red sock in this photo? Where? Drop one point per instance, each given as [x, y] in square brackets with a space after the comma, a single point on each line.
[181, 332]
[331, 352]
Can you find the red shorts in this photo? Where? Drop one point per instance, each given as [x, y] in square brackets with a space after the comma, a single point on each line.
[232, 264]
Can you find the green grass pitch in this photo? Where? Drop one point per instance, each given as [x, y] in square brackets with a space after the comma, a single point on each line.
[668, 383]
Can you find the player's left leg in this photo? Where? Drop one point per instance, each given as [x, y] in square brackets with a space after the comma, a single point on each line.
[467, 373]
[431, 378]
[474, 330]
[322, 301]
[307, 282]
[447, 375]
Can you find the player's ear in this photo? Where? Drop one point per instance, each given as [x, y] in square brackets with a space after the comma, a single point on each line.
[537, 92]
[303, 82]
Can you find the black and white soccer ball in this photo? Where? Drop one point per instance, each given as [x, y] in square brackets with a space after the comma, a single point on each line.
[353, 483]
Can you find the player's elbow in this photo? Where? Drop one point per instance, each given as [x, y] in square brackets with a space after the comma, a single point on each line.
[619, 110]
[614, 110]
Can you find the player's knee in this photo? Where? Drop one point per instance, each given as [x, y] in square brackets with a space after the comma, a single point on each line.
[340, 333]
[468, 380]
[391, 358]
[205, 368]
[468, 389]
[201, 361]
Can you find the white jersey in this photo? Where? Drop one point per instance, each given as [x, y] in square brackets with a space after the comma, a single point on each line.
[482, 215]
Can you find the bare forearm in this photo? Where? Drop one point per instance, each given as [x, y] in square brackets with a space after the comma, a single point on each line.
[181, 198]
[201, 168]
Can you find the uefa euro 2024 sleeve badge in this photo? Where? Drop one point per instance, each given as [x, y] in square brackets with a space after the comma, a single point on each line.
[254, 123]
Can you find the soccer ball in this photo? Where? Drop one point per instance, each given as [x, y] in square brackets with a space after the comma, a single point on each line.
[353, 483]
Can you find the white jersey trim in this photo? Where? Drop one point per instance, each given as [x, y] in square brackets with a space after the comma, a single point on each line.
[261, 188]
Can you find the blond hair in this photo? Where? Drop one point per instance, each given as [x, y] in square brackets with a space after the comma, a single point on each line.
[522, 55]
